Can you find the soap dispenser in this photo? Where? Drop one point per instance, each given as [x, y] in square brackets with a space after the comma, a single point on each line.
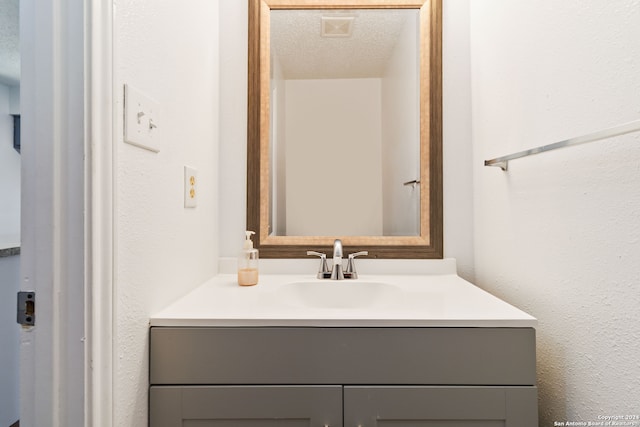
[248, 263]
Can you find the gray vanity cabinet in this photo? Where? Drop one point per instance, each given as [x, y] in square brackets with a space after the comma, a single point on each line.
[368, 377]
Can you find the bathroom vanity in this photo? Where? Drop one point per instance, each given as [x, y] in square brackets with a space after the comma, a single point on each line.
[293, 351]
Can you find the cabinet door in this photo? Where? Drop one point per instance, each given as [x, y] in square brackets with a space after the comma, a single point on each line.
[440, 406]
[244, 406]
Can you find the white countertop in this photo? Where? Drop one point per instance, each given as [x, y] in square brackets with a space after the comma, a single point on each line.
[424, 300]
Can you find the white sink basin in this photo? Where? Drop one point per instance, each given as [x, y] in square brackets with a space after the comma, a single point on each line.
[338, 293]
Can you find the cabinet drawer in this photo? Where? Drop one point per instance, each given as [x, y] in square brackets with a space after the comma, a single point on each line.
[433, 406]
[411, 356]
[267, 406]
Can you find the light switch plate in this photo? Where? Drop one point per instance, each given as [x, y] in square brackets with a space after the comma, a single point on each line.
[190, 187]
[141, 120]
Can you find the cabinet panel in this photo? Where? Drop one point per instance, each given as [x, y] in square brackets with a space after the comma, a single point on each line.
[441, 423]
[261, 406]
[440, 406]
[411, 356]
[246, 423]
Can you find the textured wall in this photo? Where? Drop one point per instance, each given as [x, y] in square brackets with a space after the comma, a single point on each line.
[233, 126]
[168, 50]
[559, 234]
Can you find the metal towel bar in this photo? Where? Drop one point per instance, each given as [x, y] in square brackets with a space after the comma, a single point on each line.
[503, 162]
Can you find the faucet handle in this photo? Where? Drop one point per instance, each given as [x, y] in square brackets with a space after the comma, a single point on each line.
[323, 271]
[352, 256]
[351, 265]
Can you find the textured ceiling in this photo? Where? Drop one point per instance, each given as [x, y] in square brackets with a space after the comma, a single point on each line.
[9, 43]
[304, 54]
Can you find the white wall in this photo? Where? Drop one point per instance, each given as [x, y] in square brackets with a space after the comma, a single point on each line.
[456, 129]
[169, 51]
[9, 169]
[458, 201]
[334, 175]
[559, 234]
[232, 172]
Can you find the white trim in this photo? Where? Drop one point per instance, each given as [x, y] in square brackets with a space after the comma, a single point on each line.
[53, 260]
[101, 211]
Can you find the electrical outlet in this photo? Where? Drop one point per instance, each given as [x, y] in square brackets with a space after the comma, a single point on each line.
[141, 120]
[190, 187]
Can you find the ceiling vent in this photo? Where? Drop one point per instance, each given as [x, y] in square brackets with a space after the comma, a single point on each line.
[337, 26]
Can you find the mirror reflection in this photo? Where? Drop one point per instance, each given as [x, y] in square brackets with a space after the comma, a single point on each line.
[344, 122]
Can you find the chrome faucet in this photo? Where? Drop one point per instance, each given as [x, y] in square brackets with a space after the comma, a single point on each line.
[337, 273]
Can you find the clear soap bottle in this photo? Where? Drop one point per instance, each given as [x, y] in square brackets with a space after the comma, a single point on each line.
[248, 263]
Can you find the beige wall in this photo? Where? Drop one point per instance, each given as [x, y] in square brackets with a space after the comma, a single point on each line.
[334, 179]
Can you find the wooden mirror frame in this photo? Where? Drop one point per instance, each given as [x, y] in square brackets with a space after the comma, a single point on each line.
[429, 244]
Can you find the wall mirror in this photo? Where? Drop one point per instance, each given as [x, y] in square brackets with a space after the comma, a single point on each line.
[345, 127]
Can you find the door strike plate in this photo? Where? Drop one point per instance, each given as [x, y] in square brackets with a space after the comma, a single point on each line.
[27, 308]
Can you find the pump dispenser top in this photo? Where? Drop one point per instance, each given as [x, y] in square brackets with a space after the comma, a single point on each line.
[248, 243]
[248, 262]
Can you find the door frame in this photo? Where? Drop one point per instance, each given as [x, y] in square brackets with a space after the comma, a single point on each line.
[101, 132]
[67, 254]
